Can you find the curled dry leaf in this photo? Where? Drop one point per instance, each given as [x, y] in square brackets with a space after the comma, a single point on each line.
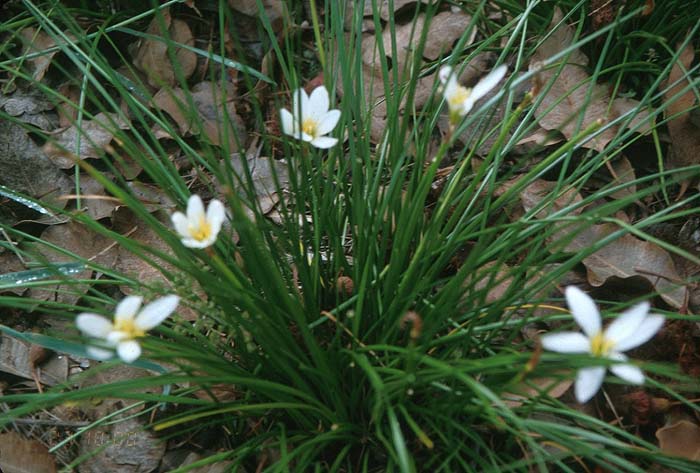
[152, 56]
[38, 42]
[80, 240]
[443, 30]
[85, 141]
[25, 168]
[21, 455]
[574, 102]
[685, 135]
[626, 257]
[680, 439]
[536, 387]
[214, 109]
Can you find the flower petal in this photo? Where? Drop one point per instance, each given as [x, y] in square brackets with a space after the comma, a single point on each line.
[216, 214]
[127, 308]
[566, 342]
[300, 104]
[645, 331]
[94, 325]
[288, 123]
[180, 223]
[629, 373]
[99, 353]
[198, 244]
[485, 85]
[156, 312]
[328, 122]
[627, 323]
[129, 350]
[195, 208]
[584, 310]
[588, 382]
[116, 336]
[319, 103]
[324, 142]
[445, 74]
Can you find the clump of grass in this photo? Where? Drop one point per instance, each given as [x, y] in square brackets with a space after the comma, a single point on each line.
[359, 331]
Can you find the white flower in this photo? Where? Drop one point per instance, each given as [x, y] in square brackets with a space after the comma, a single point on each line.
[129, 325]
[632, 328]
[197, 229]
[460, 99]
[311, 118]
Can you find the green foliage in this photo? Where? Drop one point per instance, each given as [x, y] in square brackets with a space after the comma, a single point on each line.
[342, 382]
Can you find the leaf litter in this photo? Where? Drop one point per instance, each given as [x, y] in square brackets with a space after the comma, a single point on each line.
[564, 88]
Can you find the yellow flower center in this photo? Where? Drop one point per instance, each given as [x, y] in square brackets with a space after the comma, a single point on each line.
[202, 231]
[129, 327]
[309, 127]
[601, 346]
[460, 95]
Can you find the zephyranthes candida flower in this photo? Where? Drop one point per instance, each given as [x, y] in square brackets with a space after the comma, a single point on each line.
[310, 118]
[199, 229]
[460, 99]
[129, 325]
[631, 329]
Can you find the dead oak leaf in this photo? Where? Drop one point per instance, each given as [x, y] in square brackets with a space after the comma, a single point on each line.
[626, 257]
[680, 439]
[685, 135]
[21, 455]
[38, 45]
[85, 140]
[152, 56]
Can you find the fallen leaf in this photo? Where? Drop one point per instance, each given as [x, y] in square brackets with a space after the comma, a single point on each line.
[680, 439]
[217, 467]
[263, 179]
[93, 135]
[626, 257]
[20, 455]
[152, 56]
[685, 135]
[535, 387]
[540, 190]
[16, 359]
[573, 102]
[122, 447]
[39, 42]
[443, 30]
[385, 12]
[25, 168]
[214, 109]
[94, 198]
[80, 240]
[274, 11]
[30, 106]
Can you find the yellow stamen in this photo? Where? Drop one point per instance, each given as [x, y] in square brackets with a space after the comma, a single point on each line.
[202, 231]
[309, 127]
[601, 346]
[129, 327]
[460, 95]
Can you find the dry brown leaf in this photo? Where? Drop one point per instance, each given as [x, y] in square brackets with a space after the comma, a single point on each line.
[39, 42]
[685, 135]
[16, 358]
[24, 167]
[123, 447]
[261, 171]
[152, 56]
[94, 198]
[626, 257]
[20, 455]
[642, 120]
[548, 386]
[218, 467]
[539, 190]
[680, 439]
[495, 284]
[274, 10]
[94, 135]
[572, 92]
[385, 12]
[444, 29]
[214, 109]
[78, 239]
